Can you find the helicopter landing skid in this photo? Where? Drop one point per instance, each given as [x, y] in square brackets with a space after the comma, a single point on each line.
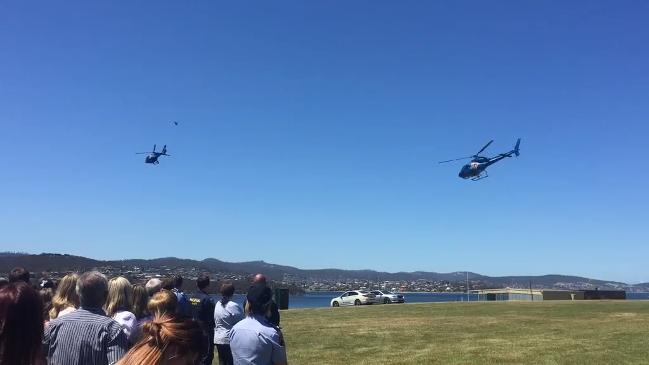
[481, 176]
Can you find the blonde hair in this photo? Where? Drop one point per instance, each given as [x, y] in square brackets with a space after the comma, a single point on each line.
[163, 302]
[66, 295]
[247, 308]
[120, 296]
[166, 338]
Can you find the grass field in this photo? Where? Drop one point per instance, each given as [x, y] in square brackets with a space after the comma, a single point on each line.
[560, 332]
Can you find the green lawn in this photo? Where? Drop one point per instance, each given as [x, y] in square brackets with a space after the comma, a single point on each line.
[560, 332]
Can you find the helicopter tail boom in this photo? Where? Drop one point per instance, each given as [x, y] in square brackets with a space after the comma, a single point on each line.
[516, 151]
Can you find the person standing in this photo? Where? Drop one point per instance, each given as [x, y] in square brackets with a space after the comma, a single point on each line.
[65, 299]
[21, 325]
[202, 308]
[184, 309]
[254, 340]
[162, 303]
[227, 313]
[273, 314]
[153, 286]
[87, 335]
[119, 304]
[140, 303]
[19, 274]
[167, 340]
[46, 295]
[141, 312]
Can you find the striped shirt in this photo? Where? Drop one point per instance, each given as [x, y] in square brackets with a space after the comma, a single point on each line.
[85, 336]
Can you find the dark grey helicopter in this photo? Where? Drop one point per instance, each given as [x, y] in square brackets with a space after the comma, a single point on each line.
[477, 168]
[153, 155]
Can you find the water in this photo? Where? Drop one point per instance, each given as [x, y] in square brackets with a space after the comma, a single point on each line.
[323, 299]
[637, 296]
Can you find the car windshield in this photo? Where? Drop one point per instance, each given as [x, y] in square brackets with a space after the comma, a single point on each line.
[387, 292]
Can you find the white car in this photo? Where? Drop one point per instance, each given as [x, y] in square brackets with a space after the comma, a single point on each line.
[386, 297]
[353, 297]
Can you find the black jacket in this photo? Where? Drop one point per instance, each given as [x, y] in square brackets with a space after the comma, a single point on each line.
[202, 309]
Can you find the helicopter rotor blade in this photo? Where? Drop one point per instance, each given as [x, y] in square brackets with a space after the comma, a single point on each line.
[456, 159]
[485, 147]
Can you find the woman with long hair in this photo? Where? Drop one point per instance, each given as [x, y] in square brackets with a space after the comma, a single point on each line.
[65, 299]
[21, 325]
[119, 303]
[167, 340]
[226, 314]
[46, 295]
[141, 311]
[140, 302]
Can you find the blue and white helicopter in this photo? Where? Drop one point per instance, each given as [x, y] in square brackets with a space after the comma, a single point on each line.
[152, 157]
[477, 168]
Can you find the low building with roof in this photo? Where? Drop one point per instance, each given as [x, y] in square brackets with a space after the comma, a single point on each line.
[508, 294]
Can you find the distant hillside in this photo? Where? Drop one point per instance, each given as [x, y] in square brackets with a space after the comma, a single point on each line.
[48, 262]
[61, 263]
[552, 281]
[12, 254]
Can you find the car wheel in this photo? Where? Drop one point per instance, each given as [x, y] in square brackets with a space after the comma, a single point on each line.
[335, 304]
[357, 302]
[386, 301]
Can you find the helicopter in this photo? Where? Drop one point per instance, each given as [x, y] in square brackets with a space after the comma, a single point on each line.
[153, 155]
[477, 168]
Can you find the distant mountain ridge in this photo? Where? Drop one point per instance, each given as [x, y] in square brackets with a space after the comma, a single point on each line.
[50, 262]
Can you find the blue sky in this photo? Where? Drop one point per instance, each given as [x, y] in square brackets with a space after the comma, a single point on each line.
[309, 133]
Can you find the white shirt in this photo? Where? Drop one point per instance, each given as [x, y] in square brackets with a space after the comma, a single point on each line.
[224, 319]
[127, 320]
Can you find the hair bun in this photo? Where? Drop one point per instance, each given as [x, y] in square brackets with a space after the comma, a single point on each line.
[153, 329]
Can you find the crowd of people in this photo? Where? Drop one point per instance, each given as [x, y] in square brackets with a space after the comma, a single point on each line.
[87, 319]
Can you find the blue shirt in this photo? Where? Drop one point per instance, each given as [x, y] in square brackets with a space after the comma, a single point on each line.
[184, 308]
[254, 341]
[85, 336]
